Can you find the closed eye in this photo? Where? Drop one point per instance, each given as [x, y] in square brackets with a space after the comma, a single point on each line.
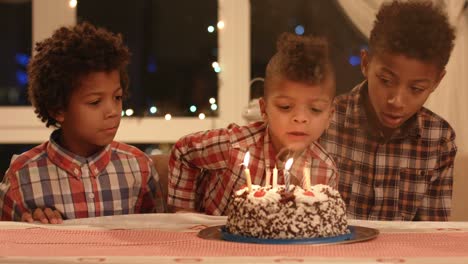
[417, 89]
[95, 102]
[384, 80]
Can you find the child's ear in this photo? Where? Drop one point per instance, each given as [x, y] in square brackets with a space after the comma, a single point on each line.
[262, 103]
[58, 115]
[364, 62]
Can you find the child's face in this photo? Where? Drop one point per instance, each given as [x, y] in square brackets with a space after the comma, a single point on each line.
[398, 87]
[93, 114]
[296, 113]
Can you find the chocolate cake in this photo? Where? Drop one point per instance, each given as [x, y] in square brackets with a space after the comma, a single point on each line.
[275, 213]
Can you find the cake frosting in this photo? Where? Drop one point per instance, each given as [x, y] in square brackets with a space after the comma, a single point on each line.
[274, 213]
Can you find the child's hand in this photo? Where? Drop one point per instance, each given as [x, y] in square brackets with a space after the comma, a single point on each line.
[45, 216]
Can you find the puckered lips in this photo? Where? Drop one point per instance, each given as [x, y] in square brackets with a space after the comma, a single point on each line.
[297, 134]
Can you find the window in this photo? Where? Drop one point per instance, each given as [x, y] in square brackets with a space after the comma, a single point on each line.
[174, 65]
[15, 50]
[25, 128]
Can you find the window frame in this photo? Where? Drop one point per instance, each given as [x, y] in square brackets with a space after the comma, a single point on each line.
[21, 125]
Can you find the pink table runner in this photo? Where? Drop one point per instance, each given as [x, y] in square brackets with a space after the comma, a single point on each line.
[47, 242]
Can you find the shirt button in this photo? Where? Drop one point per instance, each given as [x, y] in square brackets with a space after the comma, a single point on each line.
[91, 195]
[76, 171]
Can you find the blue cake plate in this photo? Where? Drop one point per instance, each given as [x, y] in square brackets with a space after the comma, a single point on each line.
[356, 234]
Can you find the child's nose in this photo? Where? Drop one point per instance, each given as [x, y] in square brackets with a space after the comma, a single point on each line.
[300, 116]
[396, 98]
[113, 109]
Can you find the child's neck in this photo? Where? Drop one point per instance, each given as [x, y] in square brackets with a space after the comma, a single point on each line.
[374, 122]
[82, 151]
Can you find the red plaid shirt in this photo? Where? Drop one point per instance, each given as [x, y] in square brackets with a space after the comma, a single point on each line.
[408, 177]
[118, 180]
[205, 167]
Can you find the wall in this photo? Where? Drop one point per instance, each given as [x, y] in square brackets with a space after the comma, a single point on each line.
[460, 187]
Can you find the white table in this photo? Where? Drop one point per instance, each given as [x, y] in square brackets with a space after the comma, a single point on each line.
[171, 238]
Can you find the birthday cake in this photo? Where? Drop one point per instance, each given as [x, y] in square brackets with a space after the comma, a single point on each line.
[274, 213]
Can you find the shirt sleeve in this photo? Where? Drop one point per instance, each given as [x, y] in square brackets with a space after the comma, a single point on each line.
[323, 168]
[333, 178]
[324, 173]
[436, 205]
[208, 150]
[11, 202]
[152, 197]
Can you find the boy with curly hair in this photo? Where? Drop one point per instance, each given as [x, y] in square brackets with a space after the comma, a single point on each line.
[395, 157]
[77, 81]
[204, 167]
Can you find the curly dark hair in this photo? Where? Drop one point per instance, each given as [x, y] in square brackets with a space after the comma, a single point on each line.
[61, 62]
[416, 29]
[302, 59]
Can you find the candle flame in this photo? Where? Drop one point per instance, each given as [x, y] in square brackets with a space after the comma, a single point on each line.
[246, 159]
[288, 164]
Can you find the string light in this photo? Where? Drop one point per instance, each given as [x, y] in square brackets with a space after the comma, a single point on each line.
[299, 30]
[354, 60]
[72, 3]
[193, 108]
[153, 109]
[201, 116]
[211, 29]
[214, 107]
[220, 24]
[212, 100]
[216, 66]
[123, 113]
[168, 117]
[129, 112]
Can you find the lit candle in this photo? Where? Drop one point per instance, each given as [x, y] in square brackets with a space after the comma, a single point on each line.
[268, 176]
[306, 178]
[275, 177]
[247, 171]
[287, 166]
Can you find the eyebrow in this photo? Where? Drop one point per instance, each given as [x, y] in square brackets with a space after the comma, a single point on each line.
[313, 100]
[99, 93]
[394, 75]
[321, 100]
[386, 70]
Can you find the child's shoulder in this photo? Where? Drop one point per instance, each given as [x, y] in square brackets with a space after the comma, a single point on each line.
[352, 96]
[433, 126]
[255, 128]
[246, 134]
[233, 133]
[31, 157]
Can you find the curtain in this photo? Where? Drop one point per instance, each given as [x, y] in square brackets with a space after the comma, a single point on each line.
[450, 98]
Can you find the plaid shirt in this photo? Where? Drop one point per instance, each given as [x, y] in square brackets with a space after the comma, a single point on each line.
[118, 180]
[205, 167]
[408, 177]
